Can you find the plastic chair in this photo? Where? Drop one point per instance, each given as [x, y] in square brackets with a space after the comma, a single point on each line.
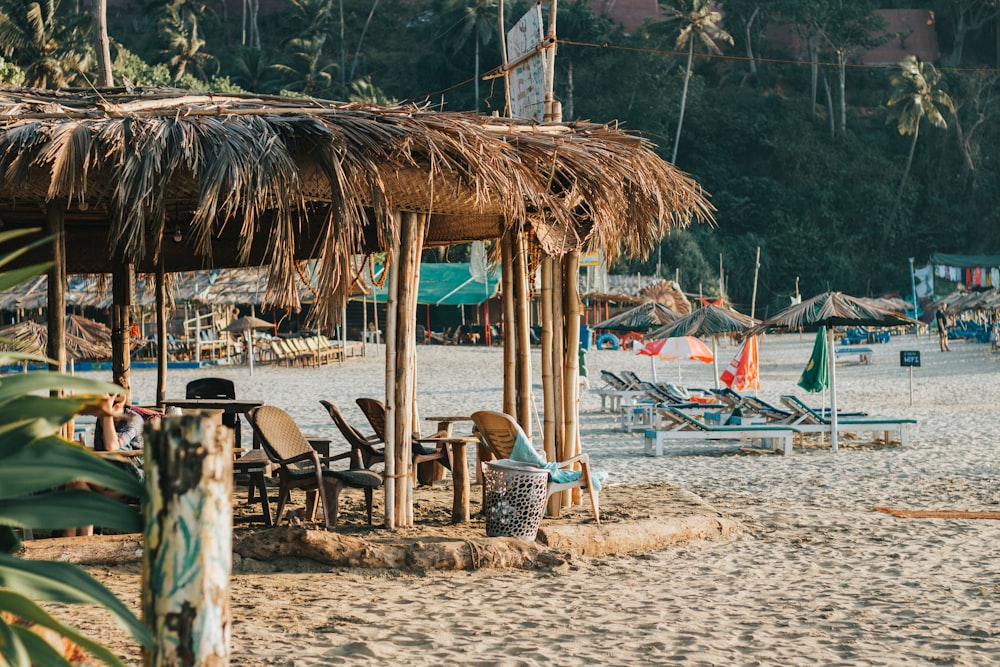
[217, 388]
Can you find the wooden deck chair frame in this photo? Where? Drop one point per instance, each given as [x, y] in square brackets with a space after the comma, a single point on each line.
[498, 431]
[423, 459]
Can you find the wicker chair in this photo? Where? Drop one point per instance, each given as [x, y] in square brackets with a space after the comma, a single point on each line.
[300, 466]
[424, 460]
[364, 450]
[498, 431]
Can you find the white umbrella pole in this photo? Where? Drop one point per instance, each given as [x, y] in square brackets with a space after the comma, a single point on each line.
[715, 359]
[833, 388]
[249, 336]
[652, 365]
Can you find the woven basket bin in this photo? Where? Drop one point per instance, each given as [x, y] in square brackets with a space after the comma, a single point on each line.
[515, 499]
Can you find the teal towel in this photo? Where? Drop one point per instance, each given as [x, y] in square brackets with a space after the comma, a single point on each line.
[524, 452]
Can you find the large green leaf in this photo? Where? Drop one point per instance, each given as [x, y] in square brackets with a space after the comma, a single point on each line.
[27, 610]
[15, 277]
[41, 652]
[53, 462]
[71, 509]
[68, 584]
[29, 417]
[12, 649]
[12, 386]
[10, 542]
[8, 357]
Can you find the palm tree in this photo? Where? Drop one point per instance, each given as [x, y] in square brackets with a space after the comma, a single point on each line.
[698, 22]
[306, 68]
[914, 95]
[477, 20]
[184, 44]
[43, 42]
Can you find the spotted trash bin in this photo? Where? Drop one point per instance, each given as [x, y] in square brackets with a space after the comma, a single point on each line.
[515, 499]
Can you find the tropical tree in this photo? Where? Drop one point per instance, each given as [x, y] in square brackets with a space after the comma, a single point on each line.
[37, 468]
[180, 29]
[697, 22]
[306, 68]
[464, 21]
[46, 43]
[914, 95]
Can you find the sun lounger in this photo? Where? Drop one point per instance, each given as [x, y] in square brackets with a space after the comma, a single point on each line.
[677, 425]
[864, 354]
[808, 420]
[616, 392]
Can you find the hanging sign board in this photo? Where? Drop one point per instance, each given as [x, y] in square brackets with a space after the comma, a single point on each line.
[590, 259]
[527, 77]
[909, 358]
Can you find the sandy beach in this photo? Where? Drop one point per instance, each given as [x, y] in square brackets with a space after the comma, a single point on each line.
[814, 576]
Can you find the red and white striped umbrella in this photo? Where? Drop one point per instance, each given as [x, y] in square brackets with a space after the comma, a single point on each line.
[676, 348]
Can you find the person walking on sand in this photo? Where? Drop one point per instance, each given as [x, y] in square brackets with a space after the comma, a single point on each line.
[942, 325]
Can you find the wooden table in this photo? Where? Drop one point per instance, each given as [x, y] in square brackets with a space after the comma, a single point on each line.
[255, 465]
[459, 474]
[237, 406]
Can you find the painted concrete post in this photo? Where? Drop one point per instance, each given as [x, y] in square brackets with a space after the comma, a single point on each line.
[188, 540]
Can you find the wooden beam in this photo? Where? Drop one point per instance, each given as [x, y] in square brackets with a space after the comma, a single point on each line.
[509, 326]
[122, 289]
[161, 333]
[523, 320]
[56, 228]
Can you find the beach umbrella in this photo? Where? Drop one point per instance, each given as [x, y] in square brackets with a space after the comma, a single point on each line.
[712, 320]
[816, 376]
[246, 326]
[675, 348]
[833, 309]
[743, 371]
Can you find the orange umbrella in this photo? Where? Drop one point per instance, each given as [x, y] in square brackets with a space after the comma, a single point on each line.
[676, 347]
[742, 371]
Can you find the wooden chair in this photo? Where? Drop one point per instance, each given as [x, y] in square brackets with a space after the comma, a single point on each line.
[217, 388]
[300, 466]
[424, 460]
[498, 432]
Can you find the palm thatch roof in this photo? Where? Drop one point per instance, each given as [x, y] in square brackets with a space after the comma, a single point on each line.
[644, 317]
[247, 180]
[28, 336]
[834, 309]
[710, 320]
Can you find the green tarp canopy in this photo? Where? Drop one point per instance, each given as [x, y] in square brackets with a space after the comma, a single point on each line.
[446, 285]
[963, 261]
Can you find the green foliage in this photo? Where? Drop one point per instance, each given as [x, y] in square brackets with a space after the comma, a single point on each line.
[36, 466]
[10, 74]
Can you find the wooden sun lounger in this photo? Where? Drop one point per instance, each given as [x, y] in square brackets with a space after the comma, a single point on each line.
[809, 420]
[677, 425]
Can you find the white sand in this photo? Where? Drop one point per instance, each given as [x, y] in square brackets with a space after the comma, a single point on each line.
[816, 578]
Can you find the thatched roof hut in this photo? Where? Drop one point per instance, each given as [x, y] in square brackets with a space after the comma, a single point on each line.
[252, 180]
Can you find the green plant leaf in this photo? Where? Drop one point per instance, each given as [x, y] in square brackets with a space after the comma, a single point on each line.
[10, 357]
[52, 462]
[15, 277]
[38, 416]
[12, 386]
[27, 610]
[41, 652]
[70, 509]
[69, 584]
[9, 541]
[12, 649]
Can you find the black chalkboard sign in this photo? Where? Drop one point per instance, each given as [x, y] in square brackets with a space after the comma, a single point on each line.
[909, 358]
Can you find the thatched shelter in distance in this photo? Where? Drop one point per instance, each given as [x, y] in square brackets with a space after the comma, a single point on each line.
[247, 180]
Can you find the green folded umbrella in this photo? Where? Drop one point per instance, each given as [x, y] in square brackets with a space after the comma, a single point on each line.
[816, 376]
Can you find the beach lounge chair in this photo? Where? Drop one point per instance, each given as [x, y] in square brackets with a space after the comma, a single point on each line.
[498, 432]
[809, 420]
[301, 467]
[679, 425]
[365, 450]
[749, 406]
[425, 461]
[616, 391]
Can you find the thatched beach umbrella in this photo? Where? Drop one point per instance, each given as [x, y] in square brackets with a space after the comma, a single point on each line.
[246, 325]
[642, 318]
[833, 309]
[710, 320]
[32, 337]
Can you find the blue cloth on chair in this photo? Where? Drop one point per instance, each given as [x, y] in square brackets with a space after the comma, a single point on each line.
[524, 452]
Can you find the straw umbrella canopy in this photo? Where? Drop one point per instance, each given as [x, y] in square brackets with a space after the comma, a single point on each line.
[644, 317]
[246, 325]
[32, 337]
[833, 309]
[711, 320]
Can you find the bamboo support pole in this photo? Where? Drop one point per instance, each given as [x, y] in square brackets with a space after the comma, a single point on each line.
[571, 368]
[391, 470]
[188, 540]
[56, 228]
[509, 327]
[161, 332]
[558, 348]
[521, 317]
[122, 289]
[548, 391]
